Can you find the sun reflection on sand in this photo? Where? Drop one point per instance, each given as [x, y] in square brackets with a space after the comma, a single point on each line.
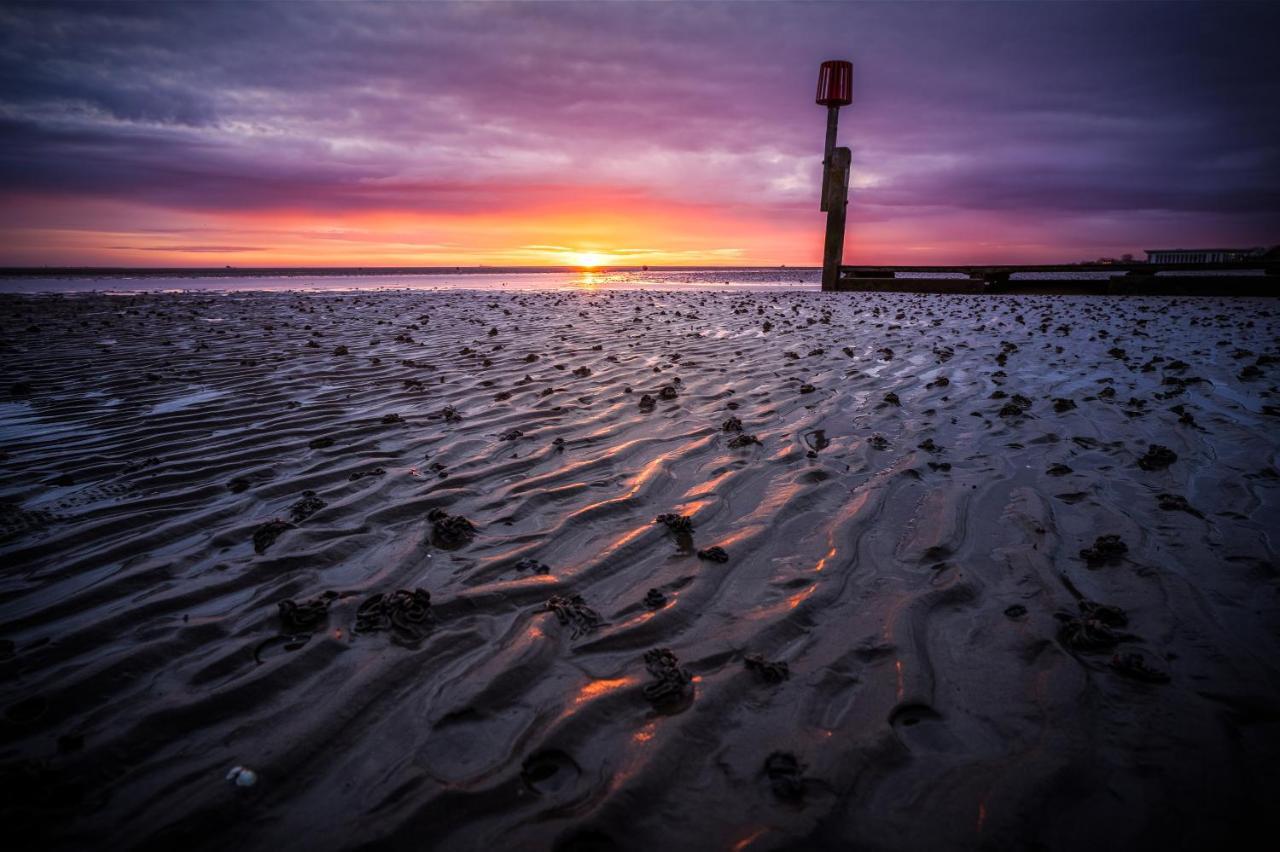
[798, 598]
[644, 734]
[592, 690]
[749, 839]
[596, 688]
[628, 770]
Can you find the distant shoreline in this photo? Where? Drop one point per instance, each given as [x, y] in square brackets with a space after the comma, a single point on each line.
[288, 271]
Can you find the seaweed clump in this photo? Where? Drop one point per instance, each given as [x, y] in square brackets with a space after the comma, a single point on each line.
[572, 610]
[770, 672]
[449, 532]
[1094, 629]
[305, 616]
[1157, 457]
[669, 689]
[1106, 549]
[266, 534]
[407, 614]
[786, 776]
[306, 506]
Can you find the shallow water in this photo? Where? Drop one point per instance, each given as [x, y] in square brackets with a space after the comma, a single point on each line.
[771, 278]
[516, 279]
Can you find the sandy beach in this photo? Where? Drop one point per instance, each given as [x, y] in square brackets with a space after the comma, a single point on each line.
[637, 570]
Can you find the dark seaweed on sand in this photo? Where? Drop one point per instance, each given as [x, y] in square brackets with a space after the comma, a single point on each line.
[572, 610]
[266, 534]
[677, 524]
[669, 688]
[302, 616]
[449, 532]
[306, 506]
[1157, 457]
[769, 671]
[680, 527]
[1134, 666]
[786, 776]
[1177, 503]
[714, 553]
[1095, 628]
[1106, 549]
[407, 614]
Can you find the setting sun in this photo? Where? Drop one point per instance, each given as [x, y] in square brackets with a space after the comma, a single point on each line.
[589, 259]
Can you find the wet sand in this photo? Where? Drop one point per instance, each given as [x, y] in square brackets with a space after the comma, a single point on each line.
[639, 570]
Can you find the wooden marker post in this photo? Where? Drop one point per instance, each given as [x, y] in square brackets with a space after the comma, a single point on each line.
[833, 120]
[835, 89]
[835, 203]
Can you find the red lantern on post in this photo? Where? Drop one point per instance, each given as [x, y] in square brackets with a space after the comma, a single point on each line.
[835, 89]
[835, 83]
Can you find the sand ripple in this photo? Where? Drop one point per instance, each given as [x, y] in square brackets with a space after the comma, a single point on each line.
[892, 656]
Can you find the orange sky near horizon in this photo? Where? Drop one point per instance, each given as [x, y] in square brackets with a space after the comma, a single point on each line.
[621, 232]
[616, 228]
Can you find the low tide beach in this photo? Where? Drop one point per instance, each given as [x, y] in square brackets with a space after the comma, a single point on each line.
[749, 569]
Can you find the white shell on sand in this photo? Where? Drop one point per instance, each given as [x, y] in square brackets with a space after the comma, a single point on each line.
[242, 776]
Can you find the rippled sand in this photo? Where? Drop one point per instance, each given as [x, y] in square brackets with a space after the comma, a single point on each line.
[916, 565]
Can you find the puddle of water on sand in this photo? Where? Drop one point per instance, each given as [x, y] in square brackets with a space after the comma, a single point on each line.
[17, 420]
[185, 401]
[102, 399]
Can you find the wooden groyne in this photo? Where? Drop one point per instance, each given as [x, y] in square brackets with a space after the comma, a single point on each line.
[1135, 278]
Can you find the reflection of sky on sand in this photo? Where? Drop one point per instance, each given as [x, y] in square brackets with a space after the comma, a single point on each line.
[185, 401]
[18, 420]
[597, 688]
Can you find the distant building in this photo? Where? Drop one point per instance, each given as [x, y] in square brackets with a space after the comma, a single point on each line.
[1210, 255]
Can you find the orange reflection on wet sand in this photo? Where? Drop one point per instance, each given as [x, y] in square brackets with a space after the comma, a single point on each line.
[646, 473]
[596, 688]
[749, 839]
[798, 598]
[644, 734]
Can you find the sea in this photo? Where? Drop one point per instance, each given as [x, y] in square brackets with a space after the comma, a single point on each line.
[124, 281]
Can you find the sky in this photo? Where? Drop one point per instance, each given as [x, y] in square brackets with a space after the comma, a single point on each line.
[676, 133]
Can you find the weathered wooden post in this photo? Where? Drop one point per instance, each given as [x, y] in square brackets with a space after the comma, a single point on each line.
[835, 89]
[836, 202]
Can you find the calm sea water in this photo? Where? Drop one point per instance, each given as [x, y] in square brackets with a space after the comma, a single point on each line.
[736, 278]
[774, 278]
